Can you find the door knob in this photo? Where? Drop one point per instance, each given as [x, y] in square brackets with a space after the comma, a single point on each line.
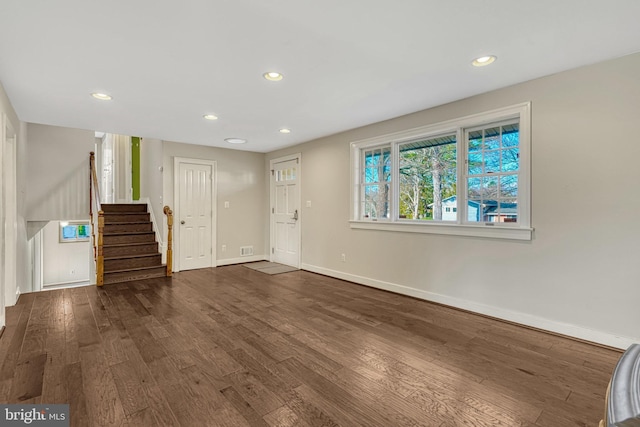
[295, 215]
[182, 222]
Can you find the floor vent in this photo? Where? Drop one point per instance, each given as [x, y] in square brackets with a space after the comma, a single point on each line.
[246, 250]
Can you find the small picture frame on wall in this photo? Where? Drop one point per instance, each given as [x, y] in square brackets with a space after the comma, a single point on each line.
[74, 231]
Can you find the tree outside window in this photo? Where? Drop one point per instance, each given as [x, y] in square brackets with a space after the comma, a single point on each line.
[427, 177]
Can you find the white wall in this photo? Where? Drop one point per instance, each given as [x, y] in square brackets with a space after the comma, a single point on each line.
[239, 181]
[580, 273]
[7, 108]
[9, 207]
[63, 263]
[58, 172]
[151, 175]
[17, 260]
[24, 276]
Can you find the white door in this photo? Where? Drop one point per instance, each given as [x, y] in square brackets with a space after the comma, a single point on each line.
[195, 213]
[285, 212]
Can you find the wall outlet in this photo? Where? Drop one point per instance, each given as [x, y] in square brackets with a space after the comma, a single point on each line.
[73, 272]
[308, 203]
[224, 248]
[344, 258]
[226, 204]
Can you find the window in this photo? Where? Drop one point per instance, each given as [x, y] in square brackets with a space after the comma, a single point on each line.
[376, 183]
[427, 174]
[74, 231]
[286, 174]
[468, 176]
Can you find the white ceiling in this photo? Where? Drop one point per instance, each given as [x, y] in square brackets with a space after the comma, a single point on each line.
[347, 63]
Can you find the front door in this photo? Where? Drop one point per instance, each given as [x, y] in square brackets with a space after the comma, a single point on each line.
[195, 212]
[285, 212]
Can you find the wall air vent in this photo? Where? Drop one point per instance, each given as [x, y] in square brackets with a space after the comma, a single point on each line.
[246, 250]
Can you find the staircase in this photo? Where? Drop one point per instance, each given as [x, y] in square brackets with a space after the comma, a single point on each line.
[129, 244]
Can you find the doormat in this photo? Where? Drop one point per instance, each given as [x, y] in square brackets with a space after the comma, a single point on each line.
[270, 267]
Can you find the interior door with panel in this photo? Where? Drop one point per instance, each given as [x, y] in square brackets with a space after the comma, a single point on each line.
[195, 210]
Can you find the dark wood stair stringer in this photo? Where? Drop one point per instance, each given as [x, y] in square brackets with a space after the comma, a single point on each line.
[129, 246]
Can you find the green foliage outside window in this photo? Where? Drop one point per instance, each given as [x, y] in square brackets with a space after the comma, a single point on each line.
[427, 177]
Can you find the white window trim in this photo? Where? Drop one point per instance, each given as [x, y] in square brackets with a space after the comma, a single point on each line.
[520, 231]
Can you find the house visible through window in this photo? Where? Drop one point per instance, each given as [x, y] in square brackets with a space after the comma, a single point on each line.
[464, 172]
[492, 172]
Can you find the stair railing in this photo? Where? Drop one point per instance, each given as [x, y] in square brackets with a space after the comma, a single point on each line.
[97, 218]
[169, 213]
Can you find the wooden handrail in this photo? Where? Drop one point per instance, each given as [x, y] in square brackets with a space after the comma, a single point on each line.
[94, 199]
[92, 161]
[169, 213]
[100, 257]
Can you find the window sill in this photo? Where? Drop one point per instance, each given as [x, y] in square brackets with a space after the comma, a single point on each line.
[493, 232]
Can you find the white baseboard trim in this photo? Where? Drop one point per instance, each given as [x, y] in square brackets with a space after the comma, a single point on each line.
[70, 282]
[575, 331]
[64, 285]
[241, 260]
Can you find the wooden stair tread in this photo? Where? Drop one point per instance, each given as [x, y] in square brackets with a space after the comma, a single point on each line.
[128, 233]
[125, 213]
[110, 258]
[127, 223]
[132, 269]
[128, 244]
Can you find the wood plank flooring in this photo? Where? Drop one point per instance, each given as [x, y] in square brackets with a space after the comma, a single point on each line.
[234, 347]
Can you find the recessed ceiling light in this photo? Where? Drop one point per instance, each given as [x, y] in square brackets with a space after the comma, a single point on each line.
[285, 130]
[210, 117]
[273, 76]
[483, 60]
[101, 96]
[235, 140]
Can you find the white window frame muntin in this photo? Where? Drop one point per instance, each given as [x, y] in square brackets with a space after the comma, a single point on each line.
[361, 185]
[464, 219]
[519, 231]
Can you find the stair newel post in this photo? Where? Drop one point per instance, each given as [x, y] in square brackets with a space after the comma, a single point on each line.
[169, 213]
[100, 259]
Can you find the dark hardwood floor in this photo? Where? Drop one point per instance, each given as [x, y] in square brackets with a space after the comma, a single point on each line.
[235, 347]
